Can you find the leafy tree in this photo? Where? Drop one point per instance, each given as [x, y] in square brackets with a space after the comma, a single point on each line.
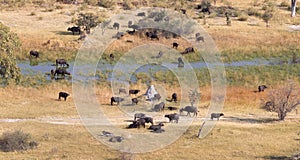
[282, 100]
[9, 45]
[87, 21]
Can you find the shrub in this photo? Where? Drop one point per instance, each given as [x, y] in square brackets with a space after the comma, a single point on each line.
[284, 4]
[243, 17]
[59, 7]
[16, 141]
[252, 12]
[32, 13]
[9, 45]
[107, 3]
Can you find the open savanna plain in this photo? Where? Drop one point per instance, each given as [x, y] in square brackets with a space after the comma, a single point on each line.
[245, 132]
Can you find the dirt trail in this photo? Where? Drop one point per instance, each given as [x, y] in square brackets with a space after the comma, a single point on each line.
[246, 120]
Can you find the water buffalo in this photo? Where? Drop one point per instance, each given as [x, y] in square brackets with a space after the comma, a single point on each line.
[189, 109]
[60, 71]
[183, 11]
[141, 122]
[134, 91]
[152, 35]
[116, 99]
[158, 130]
[107, 134]
[63, 95]
[131, 32]
[173, 117]
[261, 88]
[139, 115]
[175, 45]
[156, 97]
[172, 108]
[111, 56]
[61, 62]
[148, 120]
[118, 35]
[174, 97]
[116, 139]
[156, 127]
[200, 38]
[74, 30]
[134, 101]
[216, 115]
[122, 90]
[160, 54]
[142, 14]
[116, 26]
[188, 50]
[34, 53]
[180, 62]
[159, 107]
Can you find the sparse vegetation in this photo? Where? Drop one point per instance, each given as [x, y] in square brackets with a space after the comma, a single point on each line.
[16, 141]
[244, 116]
[283, 100]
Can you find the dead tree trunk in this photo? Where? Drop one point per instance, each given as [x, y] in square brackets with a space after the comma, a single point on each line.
[293, 8]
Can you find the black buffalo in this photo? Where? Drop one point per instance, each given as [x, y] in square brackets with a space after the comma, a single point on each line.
[142, 14]
[116, 99]
[262, 88]
[111, 56]
[200, 38]
[116, 139]
[189, 109]
[134, 101]
[74, 30]
[131, 32]
[63, 95]
[183, 11]
[188, 50]
[139, 115]
[174, 97]
[173, 117]
[116, 26]
[60, 71]
[152, 35]
[34, 53]
[61, 62]
[172, 108]
[180, 62]
[122, 90]
[175, 45]
[159, 107]
[216, 115]
[156, 127]
[148, 120]
[156, 97]
[134, 91]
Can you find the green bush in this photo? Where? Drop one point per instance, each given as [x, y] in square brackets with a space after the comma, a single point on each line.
[9, 46]
[16, 141]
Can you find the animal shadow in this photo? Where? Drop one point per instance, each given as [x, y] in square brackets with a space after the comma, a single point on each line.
[63, 32]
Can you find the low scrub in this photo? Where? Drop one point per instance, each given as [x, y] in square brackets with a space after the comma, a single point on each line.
[16, 141]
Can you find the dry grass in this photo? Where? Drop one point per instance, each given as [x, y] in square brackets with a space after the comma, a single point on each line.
[236, 42]
[246, 131]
